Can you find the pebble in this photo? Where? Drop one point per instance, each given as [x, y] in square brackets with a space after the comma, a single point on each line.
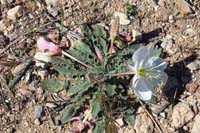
[2, 25]
[171, 19]
[38, 111]
[167, 44]
[51, 105]
[163, 114]
[37, 122]
[143, 124]
[6, 1]
[52, 2]
[120, 122]
[161, 13]
[25, 92]
[122, 18]
[195, 65]
[189, 32]
[183, 7]
[196, 127]
[185, 128]
[10, 28]
[181, 114]
[17, 69]
[40, 56]
[14, 13]
[192, 87]
[171, 129]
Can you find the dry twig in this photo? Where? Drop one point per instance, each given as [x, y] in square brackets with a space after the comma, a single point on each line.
[150, 115]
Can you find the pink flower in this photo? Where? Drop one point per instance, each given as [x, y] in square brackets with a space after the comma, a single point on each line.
[77, 125]
[48, 46]
[126, 36]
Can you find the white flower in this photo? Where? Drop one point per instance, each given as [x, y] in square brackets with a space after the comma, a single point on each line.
[149, 72]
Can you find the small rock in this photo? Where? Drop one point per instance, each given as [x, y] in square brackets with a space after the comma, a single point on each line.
[17, 69]
[6, 1]
[25, 92]
[120, 122]
[10, 28]
[52, 10]
[14, 13]
[37, 122]
[171, 129]
[163, 114]
[2, 25]
[181, 114]
[171, 19]
[189, 32]
[183, 7]
[3, 2]
[143, 124]
[167, 44]
[185, 128]
[196, 127]
[41, 58]
[123, 20]
[192, 87]
[40, 91]
[52, 2]
[51, 105]
[162, 14]
[38, 111]
[195, 65]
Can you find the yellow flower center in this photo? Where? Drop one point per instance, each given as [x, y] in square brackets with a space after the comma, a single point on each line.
[142, 72]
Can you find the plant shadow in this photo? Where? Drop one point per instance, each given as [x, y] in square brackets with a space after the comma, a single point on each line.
[178, 76]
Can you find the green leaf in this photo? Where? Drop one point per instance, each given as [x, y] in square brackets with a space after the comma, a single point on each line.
[100, 126]
[60, 60]
[53, 85]
[104, 44]
[99, 31]
[83, 47]
[96, 108]
[67, 114]
[78, 86]
[67, 70]
[110, 89]
[130, 116]
[62, 70]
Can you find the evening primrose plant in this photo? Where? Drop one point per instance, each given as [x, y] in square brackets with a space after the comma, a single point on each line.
[97, 76]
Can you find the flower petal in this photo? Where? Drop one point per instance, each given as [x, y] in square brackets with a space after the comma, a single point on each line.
[157, 77]
[143, 90]
[42, 44]
[156, 63]
[53, 49]
[44, 57]
[138, 57]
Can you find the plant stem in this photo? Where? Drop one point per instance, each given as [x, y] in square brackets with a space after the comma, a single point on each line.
[75, 59]
[124, 74]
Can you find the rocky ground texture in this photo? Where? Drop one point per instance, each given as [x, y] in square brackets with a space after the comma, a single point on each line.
[175, 24]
